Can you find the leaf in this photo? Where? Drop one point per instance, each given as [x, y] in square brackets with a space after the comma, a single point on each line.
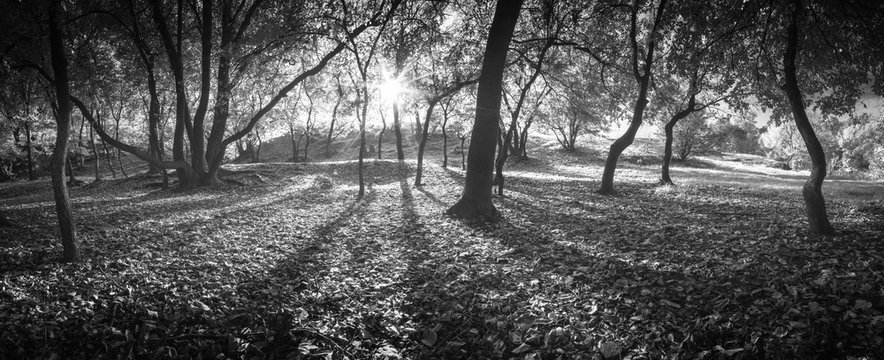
[429, 338]
[521, 348]
[862, 305]
[610, 350]
[731, 352]
[670, 303]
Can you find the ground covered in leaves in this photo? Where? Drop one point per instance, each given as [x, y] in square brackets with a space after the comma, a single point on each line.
[280, 261]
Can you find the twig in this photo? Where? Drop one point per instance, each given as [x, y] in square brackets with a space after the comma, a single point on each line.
[726, 213]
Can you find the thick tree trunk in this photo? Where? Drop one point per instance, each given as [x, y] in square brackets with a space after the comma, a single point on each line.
[667, 153]
[815, 205]
[475, 202]
[63, 209]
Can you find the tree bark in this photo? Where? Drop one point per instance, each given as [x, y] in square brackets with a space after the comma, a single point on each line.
[667, 147]
[643, 79]
[475, 201]
[176, 63]
[444, 137]
[814, 204]
[66, 222]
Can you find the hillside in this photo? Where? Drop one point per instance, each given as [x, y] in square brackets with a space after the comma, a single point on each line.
[282, 261]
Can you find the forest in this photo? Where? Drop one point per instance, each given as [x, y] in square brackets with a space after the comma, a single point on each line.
[441, 179]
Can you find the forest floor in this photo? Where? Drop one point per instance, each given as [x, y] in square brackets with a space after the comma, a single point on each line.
[281, 261]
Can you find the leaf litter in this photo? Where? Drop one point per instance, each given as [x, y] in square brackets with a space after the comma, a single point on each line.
[281, 261]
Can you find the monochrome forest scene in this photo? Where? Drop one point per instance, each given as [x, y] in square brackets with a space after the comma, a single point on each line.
[442, 179]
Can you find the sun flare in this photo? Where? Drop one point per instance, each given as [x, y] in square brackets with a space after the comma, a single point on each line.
[391, 88]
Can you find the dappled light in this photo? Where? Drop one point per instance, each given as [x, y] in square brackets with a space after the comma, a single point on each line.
[394, 179]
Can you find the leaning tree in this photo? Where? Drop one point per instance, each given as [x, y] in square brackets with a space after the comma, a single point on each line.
[813, 50]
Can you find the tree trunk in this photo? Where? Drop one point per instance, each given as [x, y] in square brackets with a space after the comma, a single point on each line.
[381, 135]
[176, 63]
[475, 201]
[155, 148]
[643, 79]
[667, 147]
[294, 144]
[72, 178]
[815, 205]
[444, 138]
[108, 156]
[97, 165]
[31, 174]
[463, 159]
[258, 145]
[120, 152]
[397, 129]
[502, 156]
[331, 126]
[306, 145]
[63, 209]
[418, 177]
[362, 147]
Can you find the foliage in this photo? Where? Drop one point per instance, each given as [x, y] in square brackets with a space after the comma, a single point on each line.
[693, 136]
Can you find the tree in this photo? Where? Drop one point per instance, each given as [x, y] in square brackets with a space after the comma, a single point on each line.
[475, 201]
[241, 46]
[363, 62]
[642, 72]
[431, 104]
[814, 47]
[815, 205]
[63, 119]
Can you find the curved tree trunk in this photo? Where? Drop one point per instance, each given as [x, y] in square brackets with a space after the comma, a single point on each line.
[667, 153]
[643, 80]
[667, 147]
[66, 221]
[475, 202]
[814, 204]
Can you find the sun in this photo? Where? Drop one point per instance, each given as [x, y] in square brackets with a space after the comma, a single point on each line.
[391, 88]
